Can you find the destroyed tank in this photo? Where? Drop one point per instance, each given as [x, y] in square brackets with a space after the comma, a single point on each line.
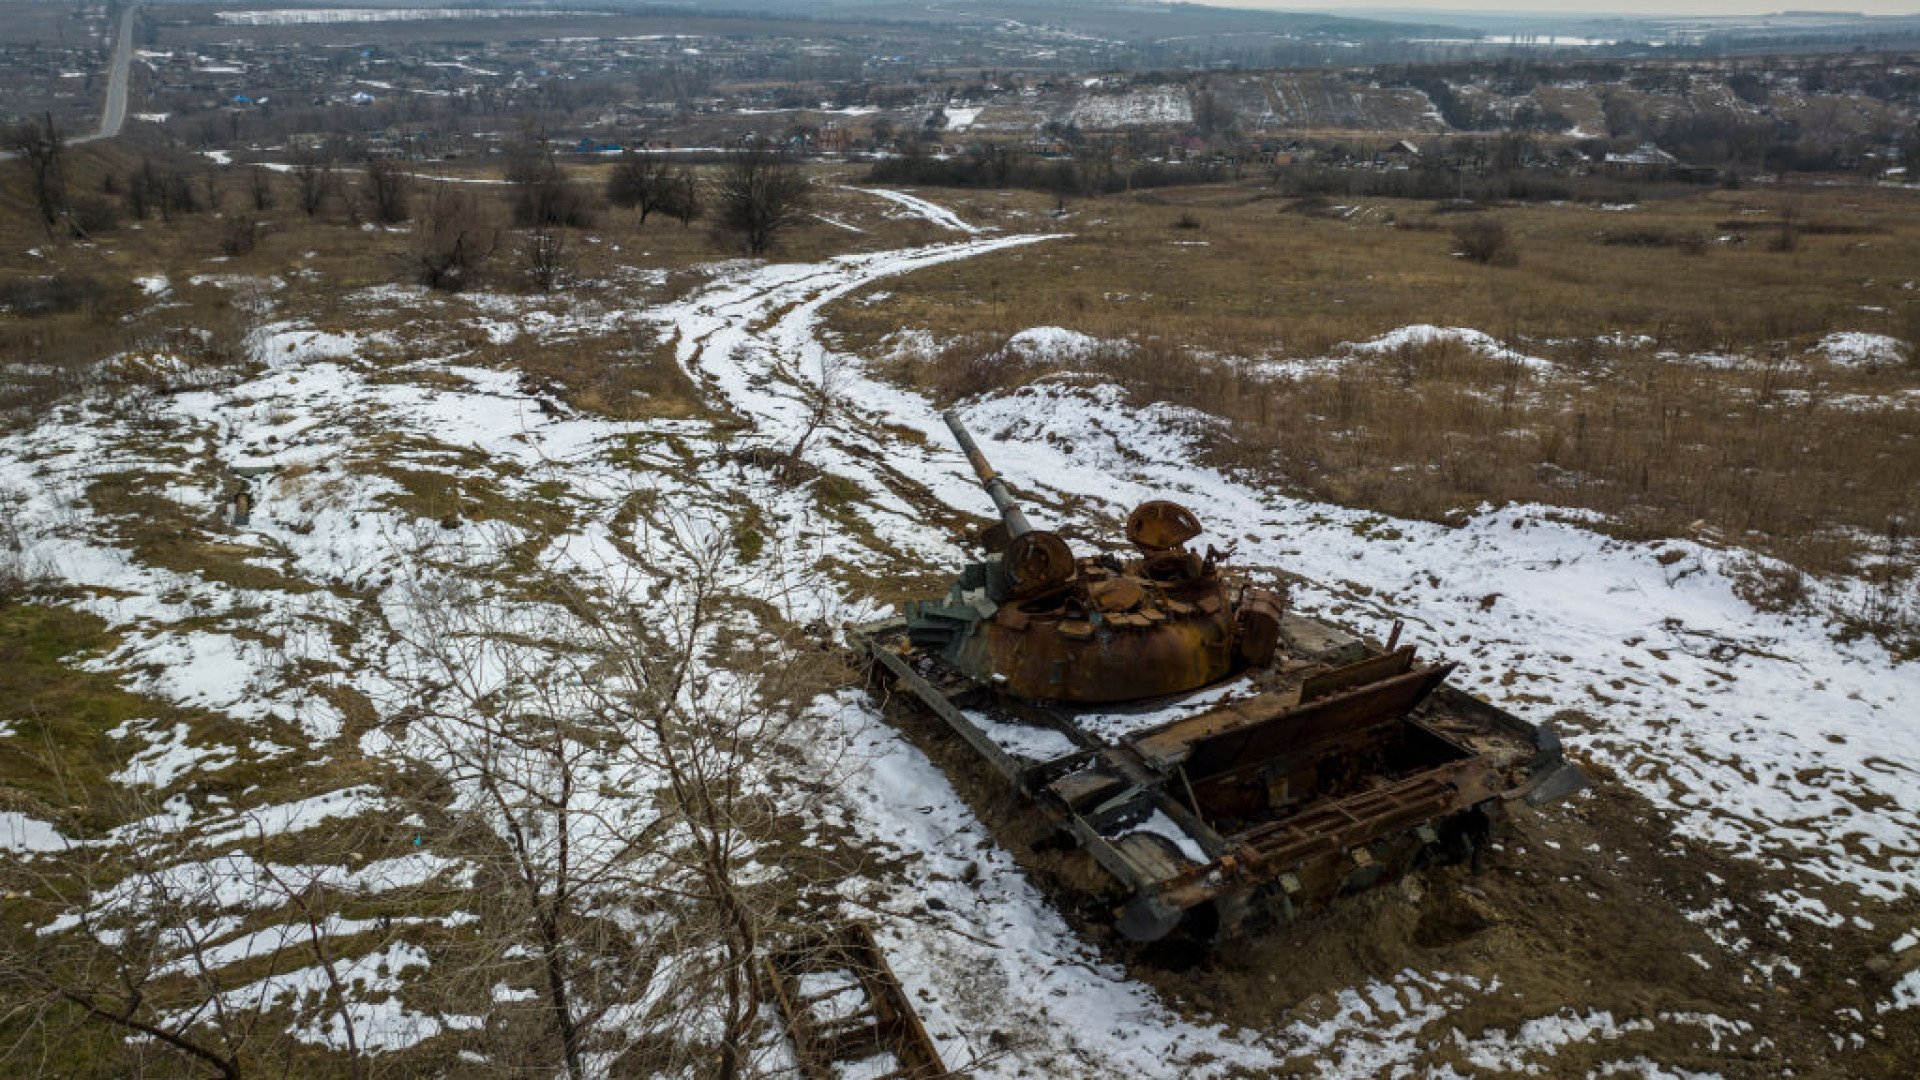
[1225, 762]
[1039, 624]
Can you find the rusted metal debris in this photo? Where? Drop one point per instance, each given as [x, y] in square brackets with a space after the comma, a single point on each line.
[1329, 765]
[843, 1005]
[1036, 623]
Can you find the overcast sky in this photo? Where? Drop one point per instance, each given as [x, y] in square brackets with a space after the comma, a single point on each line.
[1620, 7]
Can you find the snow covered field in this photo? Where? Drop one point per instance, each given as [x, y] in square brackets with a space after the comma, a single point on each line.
[1755, 732]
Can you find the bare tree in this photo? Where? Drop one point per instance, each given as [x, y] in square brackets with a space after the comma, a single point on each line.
[824, 399]
[499, 717]
[545, 258]
[637, 183]
[648, 184]
[453, 239]
[125, 938]
[613, 759]
[683, 198]
[389, 190]
[146, 936]
[314, 182]
[159, 189]
[305, 890]
[38, 143]
[760, 193]
[260, 189]
[543, 194]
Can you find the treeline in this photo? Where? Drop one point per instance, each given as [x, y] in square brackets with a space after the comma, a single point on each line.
[1098, 171]
[1427, 182]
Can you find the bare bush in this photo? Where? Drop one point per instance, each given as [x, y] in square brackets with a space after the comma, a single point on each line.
[825, 398]
[389, 192]
[57, 293]
[545, 258]
[314, 183]
[760, 193]
[238, 235]
[610, 764]
[453, 239]
[543, 195]
[1486, 240]
[16, 573]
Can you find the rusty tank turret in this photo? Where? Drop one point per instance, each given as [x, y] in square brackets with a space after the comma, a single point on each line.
[1034, 621]
[1314, 764]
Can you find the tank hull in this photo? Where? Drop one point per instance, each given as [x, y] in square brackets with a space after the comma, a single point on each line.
[1334, 767]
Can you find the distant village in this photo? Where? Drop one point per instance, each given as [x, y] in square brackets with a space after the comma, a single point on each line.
[272, 91]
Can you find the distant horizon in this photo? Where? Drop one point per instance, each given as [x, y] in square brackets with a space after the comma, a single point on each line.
[1592, 8]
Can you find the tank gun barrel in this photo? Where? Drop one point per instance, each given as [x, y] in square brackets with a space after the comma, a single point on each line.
[996, 488]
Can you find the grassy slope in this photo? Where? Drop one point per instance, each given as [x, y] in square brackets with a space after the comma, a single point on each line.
[1779, 455]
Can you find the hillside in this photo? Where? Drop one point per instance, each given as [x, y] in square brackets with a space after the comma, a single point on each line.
[524, 665]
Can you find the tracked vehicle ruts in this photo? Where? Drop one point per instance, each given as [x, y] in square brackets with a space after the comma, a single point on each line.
[1224, 761]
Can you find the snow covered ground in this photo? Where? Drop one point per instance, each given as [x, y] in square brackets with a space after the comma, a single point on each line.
[915, 206]
[1757, 731]
[1141, 106]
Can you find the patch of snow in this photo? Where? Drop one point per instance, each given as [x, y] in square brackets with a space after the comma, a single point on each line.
[330, 16]
[1056, 345]
[1854, 348]
[838, 224]
[25, 835]
[1151, 106]
[921, 208]
[277, 345]
[1159, 824]
[169, 757]
[1476, 340]
[1905, 993]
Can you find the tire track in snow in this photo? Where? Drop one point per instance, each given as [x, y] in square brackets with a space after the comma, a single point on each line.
[921, 208]
[753, 339]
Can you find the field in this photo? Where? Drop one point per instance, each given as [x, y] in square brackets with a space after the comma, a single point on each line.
[1660, 361]
[514, 716]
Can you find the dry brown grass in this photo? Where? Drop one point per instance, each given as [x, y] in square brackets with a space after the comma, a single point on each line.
[1257, 279]
[87, 307]
[1815, 464]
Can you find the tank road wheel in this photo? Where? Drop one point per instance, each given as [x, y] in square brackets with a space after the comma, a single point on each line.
[1146, 918]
